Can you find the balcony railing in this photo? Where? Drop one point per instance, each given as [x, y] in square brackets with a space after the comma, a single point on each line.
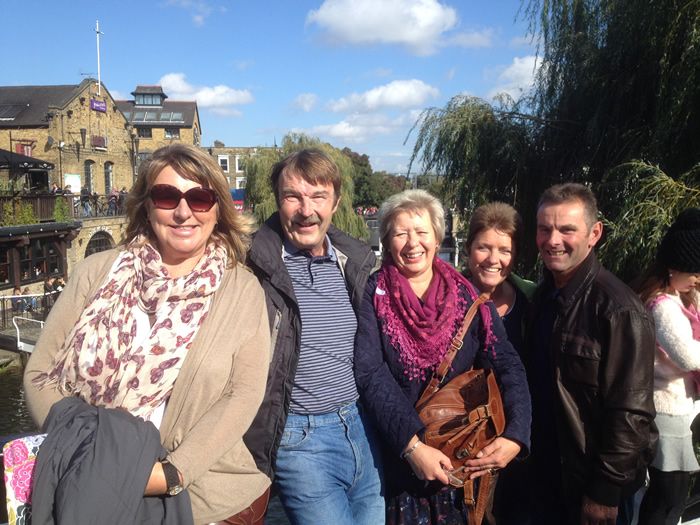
[44, 205]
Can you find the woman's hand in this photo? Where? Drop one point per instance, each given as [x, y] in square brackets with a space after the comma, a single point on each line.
[429, 463]
[494, 456]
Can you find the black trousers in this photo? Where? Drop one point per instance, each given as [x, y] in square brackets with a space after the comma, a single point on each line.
[665, 498]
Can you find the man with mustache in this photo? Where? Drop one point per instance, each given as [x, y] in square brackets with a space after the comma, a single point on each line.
[590, 372]
[310, 434]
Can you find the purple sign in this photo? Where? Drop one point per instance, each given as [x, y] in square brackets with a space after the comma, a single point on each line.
[98, 105]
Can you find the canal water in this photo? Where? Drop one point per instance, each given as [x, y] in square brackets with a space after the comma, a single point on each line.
[15, 419]
[14, 416]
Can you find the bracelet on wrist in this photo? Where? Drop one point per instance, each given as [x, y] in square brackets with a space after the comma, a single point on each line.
[411, 450]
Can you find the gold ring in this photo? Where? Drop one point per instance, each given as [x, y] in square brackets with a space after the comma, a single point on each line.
[493, 470]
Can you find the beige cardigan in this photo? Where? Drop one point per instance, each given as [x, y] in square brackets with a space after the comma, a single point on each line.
[216, 395]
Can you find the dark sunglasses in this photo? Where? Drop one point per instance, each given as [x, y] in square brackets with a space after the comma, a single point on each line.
[167, 197]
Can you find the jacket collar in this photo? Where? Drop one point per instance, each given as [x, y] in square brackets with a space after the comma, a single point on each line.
[266, 249]
[579, 282]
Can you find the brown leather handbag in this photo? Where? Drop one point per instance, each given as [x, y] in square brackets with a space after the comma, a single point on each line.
[463, 417]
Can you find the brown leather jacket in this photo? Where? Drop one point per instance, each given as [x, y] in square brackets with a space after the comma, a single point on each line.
[602, 355]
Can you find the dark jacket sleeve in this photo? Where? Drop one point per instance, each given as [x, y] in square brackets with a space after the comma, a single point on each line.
[381, 395]
[626, 395]
[512, 382]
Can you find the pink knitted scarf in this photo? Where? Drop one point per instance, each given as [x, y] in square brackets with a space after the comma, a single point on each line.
[421, 331]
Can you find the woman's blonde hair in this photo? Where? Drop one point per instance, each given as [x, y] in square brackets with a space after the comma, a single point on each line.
[232, 228]
[411, 201]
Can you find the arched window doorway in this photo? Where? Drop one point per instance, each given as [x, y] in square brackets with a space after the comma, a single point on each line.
[89, 172]
[99, 242]
[109, 180]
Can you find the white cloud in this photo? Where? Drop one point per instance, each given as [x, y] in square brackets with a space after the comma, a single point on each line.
[472, 39]
[362, 127]
[398, 94]
[117, 95]
[381, 72]
[219, 99]
[420, 25]
[243, 65]
[521, 41]
[517, 78]
[305, 101]
[451, 73]
[200, 10]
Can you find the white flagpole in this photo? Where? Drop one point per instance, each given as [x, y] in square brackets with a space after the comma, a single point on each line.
[99, 80]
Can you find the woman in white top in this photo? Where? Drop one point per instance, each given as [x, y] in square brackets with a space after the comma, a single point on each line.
[669, 289]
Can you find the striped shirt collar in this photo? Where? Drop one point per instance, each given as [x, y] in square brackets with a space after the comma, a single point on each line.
[289, 250]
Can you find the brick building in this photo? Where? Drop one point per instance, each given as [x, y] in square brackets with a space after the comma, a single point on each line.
[232, 161]
[77, 128]
[158, 122]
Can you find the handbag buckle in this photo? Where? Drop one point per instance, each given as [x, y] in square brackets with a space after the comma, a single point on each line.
[479, 413]
[456, 344]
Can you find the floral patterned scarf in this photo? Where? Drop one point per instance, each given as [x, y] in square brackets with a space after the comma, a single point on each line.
[421, 331]
[98, 361]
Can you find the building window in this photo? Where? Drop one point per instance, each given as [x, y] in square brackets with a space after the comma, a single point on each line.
[148, 100]
[24, 149]
[144, 133]
[172, 133]
[109, 180]
[99, 242]
[240, 164]
[39, 259]
[5, 267]
[89, 170]
[223, 162]
[240, 183]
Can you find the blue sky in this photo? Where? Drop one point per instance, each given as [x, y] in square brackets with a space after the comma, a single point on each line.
[354, 73]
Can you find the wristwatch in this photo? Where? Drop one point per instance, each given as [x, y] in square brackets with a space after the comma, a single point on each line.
[172, 478]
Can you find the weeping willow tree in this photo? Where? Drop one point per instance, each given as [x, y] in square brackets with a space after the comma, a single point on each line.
[652, 201]
[482, 153]
[259, 193]
[481, 150]
[620, 80]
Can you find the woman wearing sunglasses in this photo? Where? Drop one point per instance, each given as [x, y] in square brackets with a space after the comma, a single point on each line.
[172, 329]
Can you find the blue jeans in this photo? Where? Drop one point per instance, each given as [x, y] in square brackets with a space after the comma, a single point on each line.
[326, 472]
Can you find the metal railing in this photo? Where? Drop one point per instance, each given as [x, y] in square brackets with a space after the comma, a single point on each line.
[44, 205]
[27, 308]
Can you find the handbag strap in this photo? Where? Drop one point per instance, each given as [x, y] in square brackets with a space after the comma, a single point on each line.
[455, 345]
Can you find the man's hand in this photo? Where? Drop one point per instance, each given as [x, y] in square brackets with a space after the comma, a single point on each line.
[593, 513]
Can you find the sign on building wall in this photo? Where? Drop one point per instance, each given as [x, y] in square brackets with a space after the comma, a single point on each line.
[98, 105]
[72, 179]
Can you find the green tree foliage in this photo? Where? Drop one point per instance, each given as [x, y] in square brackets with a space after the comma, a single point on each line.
[61, 211]
[482, 151]
[258, 192]
[16, 212]
[371, 187]
[619, 82]
[262, 199]
[651, 202]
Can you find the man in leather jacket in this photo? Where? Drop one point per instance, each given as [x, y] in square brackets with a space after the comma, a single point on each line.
[310, 433]
[590, 371]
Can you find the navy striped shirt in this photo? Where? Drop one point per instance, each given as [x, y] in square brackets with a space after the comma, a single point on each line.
[324, 378]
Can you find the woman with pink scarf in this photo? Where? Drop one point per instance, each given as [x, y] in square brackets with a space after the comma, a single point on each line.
[171, 328]
[413, 307]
